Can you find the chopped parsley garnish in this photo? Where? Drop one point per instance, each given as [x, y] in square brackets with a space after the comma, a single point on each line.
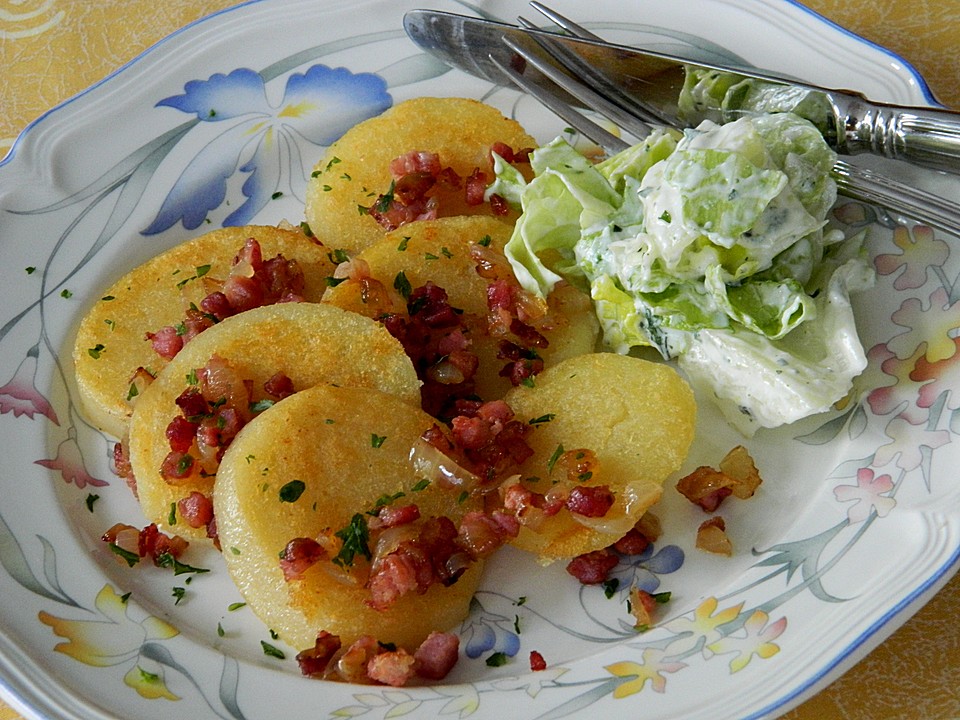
[497, 659]
[402, 285]
[485, 241]
[338, 256]
[610, 587]
[132, 392]
[112, 324]
[277, 195]
[66, 294]
[91, 499]
[333, 161]
[261, 405]
[584, 476]
[528, 382]
[542, 419]
[386, 200]
[662, 598]
[553, 458]
[403, 243]
[166, 560]
[421, 484]
[108, 298]
[172, 515]
[333, 281]
[233, 607]
[385, 500]
[191, 378]
[220, 630]
[377, 441]
[179, 593]
[292, 491]
[306, 229]
[131, 557]
[30, 270]
[516, 624]
[355, 536]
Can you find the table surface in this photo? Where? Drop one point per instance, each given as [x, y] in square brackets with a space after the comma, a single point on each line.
[914, 673]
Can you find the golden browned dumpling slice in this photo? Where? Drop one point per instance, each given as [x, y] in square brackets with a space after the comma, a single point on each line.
[356, 169]
[304, 469]
[111, 343]
[440, 251]
[637, 417]
[310, 343]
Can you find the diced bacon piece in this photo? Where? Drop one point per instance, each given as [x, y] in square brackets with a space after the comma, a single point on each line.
[352, 664]
[475, 187]
[299, 555]
[177, 467]
[416, 161]
[166, 342]
[394, 516]
[314, 661]
[437, 655]
[180, 434]
[279, 386]
[196, 509]
[593, 567]
[394, 667]
[633, 543]
[590, 500]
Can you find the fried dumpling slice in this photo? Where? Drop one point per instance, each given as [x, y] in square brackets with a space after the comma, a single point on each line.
[346, 452]
[309, 343]
[355, 170]
[446, 253]
[111, 339]
[637, 419]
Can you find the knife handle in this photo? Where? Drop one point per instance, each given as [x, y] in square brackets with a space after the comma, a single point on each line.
[922, 136]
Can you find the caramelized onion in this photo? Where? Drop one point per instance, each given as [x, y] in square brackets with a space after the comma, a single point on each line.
[431, 464]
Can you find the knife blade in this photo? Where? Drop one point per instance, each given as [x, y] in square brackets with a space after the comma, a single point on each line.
[851, 123]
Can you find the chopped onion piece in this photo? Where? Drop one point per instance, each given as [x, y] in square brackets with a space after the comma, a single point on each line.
[433, 465]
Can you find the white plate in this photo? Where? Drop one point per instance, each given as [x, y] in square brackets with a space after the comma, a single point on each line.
[856, 524]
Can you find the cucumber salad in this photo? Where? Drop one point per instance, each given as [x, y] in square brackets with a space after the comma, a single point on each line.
[712, 247]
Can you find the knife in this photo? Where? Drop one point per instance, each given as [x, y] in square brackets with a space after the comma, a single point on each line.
[850, 122]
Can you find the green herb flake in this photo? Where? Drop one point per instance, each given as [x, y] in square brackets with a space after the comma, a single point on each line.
[553, 458]
[445, 252]
[430, 256]
[125, 597]
[421, 484]
[234, 550]
[584, 476]
[292, 491]
[542, 419]
[261, 405]
[402, 285]
[306, 229]
[386, 200]
[91, 499]
[516, 624]
[277, 195]
[610, 587]
[108, 298]
[166, 560]
[112, 324]
[498, 659]
[172, 515]
[192, 378]
[132, 391]
[355, 536]
[131, 557]
[333, 161]
[522, 600]
[30, 270]
[462, 498]
[485, 241]
[333, 281]
[376, 441]
[220, 631]
[385, 500]
[338, 257]
[66, 294]
[404, 241]
[179, 593]
[528, 382]
[662, 598]
[233, 607]
[202, 270]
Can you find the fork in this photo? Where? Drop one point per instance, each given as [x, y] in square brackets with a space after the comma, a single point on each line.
[594, 90]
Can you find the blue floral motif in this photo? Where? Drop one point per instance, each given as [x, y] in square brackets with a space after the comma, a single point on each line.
[488, 632]
[260, 139]
[642, 571]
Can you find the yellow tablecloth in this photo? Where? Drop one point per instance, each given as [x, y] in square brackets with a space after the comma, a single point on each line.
[51, 49]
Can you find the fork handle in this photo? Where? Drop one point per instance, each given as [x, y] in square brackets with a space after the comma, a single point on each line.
[922, 136]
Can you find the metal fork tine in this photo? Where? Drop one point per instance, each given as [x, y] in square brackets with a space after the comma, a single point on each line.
[584, 94]
[565, 23]
[602, 137]
[587, 72]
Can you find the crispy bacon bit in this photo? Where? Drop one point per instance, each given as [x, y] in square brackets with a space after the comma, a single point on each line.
[166, 342]
[393, 667]
[367, 660]
[481, 534]
[122, 467]
[705, 487]
[475, 187]
[590, 501]
[633, 543]
[492, 442]
[593, 567]
[537, 663]
[416, 161]
[314, 661]
[394, 516]
[499, 205]
[299, 555]
[712, 536]
[432, 335]
[196, 509]
[147, 542]
[279, 386]
[437, 655]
